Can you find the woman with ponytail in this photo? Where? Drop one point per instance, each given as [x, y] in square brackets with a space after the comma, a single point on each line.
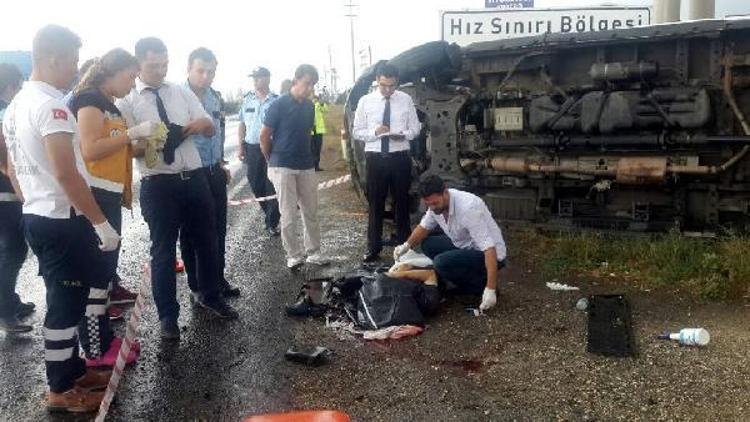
[107, 147]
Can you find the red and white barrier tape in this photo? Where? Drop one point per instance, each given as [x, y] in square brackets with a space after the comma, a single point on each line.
[321, 186]
[127, 343]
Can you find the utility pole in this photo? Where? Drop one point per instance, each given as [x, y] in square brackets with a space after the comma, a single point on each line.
[351, 14]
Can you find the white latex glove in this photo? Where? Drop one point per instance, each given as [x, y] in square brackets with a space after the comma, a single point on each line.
[142, 130]
[489, 299]
[400, 250]
[108, 237]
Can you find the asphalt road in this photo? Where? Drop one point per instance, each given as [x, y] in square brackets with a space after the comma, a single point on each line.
[219, 370]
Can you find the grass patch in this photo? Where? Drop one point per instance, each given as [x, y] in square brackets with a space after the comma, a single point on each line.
[710, 269]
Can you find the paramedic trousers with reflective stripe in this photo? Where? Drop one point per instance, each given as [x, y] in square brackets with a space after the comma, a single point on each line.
[69, 262]
[13, 251]
[94, 328]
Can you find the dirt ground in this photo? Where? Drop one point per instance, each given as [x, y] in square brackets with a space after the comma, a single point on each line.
[527, 359]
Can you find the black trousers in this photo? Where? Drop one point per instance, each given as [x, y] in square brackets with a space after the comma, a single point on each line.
[387, 172]
[217, 185]
[257, 178]
[13, 251]
[69, 261]
[316, 144]
[171, 203]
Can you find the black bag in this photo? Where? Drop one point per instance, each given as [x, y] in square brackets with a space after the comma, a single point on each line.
[383, 301]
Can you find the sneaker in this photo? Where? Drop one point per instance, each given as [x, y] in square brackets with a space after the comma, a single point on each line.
[305, 308]
[294, 263]
[24, 309]
[121, 296]
[110, 357]
[169, 329]
[179, 266]
[317, 259]
[114, 313]
[94, 380]
[13, 325]
[74, 400]
[218, 307]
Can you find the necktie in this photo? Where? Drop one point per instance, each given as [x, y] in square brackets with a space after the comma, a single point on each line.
[385, 140]
[159, 105]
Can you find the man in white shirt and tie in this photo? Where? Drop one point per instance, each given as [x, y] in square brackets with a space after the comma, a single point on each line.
[386, 121]
[174, 192]
[471, 249]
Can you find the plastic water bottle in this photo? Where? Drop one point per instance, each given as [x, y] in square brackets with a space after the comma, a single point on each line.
[689, 337]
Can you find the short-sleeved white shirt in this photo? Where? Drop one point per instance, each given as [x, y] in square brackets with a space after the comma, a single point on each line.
[35, 112]
[182, 107]
[469, 224]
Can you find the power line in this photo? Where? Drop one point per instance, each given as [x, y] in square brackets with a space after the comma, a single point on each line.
[351, 14]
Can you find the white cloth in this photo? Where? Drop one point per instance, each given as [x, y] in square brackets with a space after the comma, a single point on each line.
[412, 259]
[369, 116]
[38, 111]
[297, 188]
[182, 106]
[469, 225]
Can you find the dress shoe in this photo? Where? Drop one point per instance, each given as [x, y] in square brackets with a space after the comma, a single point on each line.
[169, 329]
[230, 291]
[24, 309]
[218, 307]
[305, 308]
[13, 325]
[371, 257]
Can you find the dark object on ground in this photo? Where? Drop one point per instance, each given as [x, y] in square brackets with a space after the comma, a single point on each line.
[304, 307]
[25, 309]
[384, 301]
[371, 257]
[13, 325]
[310, 356]
[610, 330]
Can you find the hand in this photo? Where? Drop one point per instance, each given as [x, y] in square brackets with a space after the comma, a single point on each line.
[227, 175]
[196, 127]
[241, 153]
[399, 250]
[108, 237]
[382, 129]
[142, 130]
[489, 299]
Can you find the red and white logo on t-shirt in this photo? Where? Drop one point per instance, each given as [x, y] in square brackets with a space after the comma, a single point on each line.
[59, 114]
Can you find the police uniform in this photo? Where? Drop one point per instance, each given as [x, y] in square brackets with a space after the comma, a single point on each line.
[252, 114]
[211, 151]
[111, 185]
[62, 239]
[13, 247]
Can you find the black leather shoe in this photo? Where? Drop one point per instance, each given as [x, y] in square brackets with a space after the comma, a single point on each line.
[230, 291]
[371, 257]
[273, 232]
[305, 308]
[219, 308]
[169, 329]
[25, 309]
[12, 325]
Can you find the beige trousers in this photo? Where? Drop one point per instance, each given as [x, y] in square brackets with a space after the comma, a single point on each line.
[297, 188]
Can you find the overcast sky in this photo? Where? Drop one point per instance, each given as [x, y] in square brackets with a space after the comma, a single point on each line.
[278, 34]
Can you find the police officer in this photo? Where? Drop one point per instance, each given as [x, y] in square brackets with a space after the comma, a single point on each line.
[175, 192]
[59, 211]
[252, 113]
[12, 244]
[201, 71]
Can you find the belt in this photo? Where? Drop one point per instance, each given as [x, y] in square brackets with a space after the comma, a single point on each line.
[183, 175]
[387, 154]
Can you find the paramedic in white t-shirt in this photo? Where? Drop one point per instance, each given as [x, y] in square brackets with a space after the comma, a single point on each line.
[62, 223]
